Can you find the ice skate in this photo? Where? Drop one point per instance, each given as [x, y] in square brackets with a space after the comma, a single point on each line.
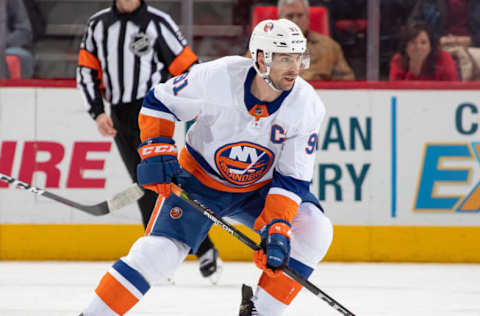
[211, 266]
[247, 308]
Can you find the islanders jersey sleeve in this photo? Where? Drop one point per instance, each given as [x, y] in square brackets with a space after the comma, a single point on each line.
[294, 169]
[178, 99]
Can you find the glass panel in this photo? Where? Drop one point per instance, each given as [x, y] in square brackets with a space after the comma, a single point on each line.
[223, 27]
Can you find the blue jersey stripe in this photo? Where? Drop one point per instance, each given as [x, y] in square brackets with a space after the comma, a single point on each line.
[299, 187]
[135, 278]
[250, 100]
[151, 102]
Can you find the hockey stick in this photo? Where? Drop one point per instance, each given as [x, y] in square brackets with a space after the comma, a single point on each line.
[250, 243]
[127, 196]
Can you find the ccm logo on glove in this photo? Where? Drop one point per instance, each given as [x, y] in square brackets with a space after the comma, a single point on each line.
[155, 149]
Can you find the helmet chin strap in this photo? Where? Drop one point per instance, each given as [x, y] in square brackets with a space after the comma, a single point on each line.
[270, 83]
[266, 76]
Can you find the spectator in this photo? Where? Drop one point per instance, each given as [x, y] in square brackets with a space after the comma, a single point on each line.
[350, 30]
[420, 58]
[126, 50]
[326, 56]
[457, 22]
[19, 38]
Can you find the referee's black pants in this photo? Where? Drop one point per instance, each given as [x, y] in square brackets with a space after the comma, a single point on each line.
[125, 121]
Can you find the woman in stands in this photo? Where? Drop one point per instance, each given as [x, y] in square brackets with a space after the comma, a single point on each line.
[420, 57]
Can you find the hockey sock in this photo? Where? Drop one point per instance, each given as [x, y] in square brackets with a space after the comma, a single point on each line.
[275, 294]
[121, 287]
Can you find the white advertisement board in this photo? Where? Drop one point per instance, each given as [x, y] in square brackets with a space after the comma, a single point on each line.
[391, 165]
[400, 158]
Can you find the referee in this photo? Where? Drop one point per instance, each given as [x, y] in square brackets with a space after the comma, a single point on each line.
[126, 50]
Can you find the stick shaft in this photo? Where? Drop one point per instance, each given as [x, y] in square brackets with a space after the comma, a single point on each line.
[254, 246]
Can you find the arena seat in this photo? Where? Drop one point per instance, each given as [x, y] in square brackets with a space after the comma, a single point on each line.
[14, 66]
[318, 17]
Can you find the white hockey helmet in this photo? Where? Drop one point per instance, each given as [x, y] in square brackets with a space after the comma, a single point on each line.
[276, 36]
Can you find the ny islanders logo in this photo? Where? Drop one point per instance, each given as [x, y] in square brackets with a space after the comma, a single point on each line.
[176, 212]
[243, 163]
[268, 27]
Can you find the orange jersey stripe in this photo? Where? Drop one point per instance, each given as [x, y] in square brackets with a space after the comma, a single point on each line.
[276, 207]
[188, 163]
[182, 62]
[154, 215]
[115, 295]
[154, 127]
[281, 288]
[87, 59]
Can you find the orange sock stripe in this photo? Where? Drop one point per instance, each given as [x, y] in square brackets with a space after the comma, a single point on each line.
[115, 295]
[153, 217]
[281, 288]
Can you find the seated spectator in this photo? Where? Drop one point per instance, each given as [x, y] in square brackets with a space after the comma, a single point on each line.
[420, 58]
[457, 24]
[19, 36]
[327, 61]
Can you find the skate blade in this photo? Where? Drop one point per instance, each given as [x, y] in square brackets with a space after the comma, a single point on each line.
[215, 277]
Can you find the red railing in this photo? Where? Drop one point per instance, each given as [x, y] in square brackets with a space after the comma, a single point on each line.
[339, 85]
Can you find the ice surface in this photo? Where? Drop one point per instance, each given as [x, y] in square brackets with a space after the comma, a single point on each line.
[64, 288]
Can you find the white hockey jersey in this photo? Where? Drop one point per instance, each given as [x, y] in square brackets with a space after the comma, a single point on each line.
[238, 143]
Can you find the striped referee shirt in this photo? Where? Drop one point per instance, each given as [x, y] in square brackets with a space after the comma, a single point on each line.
[122, 55]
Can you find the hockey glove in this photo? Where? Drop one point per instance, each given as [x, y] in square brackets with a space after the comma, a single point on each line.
[275, 245]
[159, 164]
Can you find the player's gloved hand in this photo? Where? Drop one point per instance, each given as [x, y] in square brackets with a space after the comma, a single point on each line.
[159, 164]
[275, 245]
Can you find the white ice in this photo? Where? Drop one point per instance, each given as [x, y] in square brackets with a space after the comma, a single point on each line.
[64, 288]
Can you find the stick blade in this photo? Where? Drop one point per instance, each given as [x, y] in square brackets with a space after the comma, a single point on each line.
[127, 196]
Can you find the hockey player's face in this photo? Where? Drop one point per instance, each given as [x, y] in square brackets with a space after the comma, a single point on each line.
[284, 70]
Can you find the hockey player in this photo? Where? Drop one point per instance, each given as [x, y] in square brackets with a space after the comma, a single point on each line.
[248, 156]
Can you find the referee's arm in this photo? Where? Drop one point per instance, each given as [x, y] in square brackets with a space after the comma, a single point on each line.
[173, 49]
[89, 76]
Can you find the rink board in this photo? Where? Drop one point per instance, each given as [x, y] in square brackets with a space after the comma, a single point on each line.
[397, 173]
